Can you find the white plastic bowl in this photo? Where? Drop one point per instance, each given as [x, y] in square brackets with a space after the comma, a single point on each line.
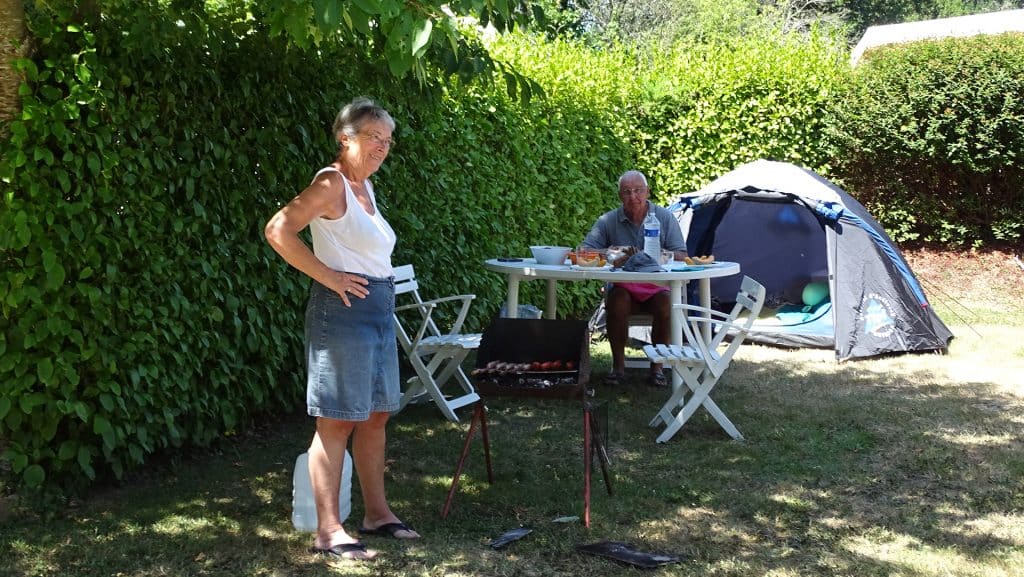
[550, 254]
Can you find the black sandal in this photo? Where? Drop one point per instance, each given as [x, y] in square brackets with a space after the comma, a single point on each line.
[657, 379]
[614, 379]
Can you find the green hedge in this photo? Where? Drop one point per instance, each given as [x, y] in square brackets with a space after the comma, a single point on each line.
[710, 108]
[930, 136]
[695, 113]
[141, 308]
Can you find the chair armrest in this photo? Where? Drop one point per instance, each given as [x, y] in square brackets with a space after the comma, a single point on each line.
[434, 302]
[702, 310]
[466, 299]
[424, 305]
[427, 308]
[704, 315]
[721, 330]
[719, 325]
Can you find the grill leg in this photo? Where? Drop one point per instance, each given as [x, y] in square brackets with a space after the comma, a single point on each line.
[487, 440]
[600, 450]
[479, 416]
[587, 456]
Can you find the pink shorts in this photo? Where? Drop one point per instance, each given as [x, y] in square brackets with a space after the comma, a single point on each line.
[641, 291]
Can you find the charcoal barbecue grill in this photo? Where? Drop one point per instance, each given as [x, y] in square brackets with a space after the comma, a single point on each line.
[506, 367]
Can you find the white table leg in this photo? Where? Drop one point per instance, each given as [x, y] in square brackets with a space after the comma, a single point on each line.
[704, 291]
[551, 299]
[676, 324]
[512, 299]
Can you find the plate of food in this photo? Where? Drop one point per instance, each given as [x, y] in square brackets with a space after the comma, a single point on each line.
[693, 263]
[588, 258]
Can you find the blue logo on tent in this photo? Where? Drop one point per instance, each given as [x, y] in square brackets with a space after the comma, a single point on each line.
[878, 320]
[788, 215]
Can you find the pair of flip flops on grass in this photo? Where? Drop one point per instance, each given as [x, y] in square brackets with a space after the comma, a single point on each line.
[357, 551]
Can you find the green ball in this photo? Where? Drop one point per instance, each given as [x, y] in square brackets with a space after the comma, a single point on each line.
[815, 293]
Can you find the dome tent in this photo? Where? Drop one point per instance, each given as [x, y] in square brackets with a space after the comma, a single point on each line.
[788, 227]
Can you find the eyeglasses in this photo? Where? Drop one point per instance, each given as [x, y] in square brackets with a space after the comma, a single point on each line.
[376, 139]
[640, 191]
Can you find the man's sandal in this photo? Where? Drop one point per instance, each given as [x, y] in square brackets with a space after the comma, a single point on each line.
[614, 379]
[657, 379]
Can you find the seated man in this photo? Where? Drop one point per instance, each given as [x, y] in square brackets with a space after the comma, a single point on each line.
[624, 226]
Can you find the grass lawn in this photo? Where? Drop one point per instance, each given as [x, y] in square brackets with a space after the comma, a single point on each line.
[910, 465]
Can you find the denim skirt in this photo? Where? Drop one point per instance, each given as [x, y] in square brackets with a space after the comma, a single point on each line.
[351, 353]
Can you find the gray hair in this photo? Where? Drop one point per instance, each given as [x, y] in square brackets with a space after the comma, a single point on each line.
[357, 113]
[632, 174]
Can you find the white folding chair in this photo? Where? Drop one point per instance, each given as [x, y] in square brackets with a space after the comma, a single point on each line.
[701, 364]
[435, 356]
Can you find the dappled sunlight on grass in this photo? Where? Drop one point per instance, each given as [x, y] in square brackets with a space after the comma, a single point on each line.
[183, 525]
[996, 358]
[796, 497]
[914, 557]
[971, 439]
[443, 481]
[1006, 527]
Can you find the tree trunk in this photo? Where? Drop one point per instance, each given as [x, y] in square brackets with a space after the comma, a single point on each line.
[12, 45]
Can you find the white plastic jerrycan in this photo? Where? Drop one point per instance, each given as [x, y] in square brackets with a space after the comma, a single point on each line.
[303, 505]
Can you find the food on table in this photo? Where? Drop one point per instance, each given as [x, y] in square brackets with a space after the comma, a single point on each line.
[589, 257]
[709, 259]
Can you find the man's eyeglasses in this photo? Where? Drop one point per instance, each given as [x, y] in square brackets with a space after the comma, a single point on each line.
[633, 191]
[376, 139]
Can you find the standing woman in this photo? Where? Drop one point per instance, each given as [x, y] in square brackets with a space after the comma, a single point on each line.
[351, 352]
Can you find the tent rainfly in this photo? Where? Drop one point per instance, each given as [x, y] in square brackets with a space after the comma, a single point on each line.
[789, 228]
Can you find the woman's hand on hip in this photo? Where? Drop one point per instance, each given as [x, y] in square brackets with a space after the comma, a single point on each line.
[349, 285]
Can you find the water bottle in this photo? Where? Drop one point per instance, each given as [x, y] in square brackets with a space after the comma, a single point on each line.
[303, 504]
[652, 235]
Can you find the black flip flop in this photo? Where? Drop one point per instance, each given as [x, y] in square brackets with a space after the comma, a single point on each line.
[388, 530]
[343, 551]
[624, 553]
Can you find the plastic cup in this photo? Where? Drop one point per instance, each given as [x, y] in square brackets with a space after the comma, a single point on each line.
[667, 257]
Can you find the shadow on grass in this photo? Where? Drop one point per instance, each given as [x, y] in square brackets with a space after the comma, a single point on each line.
[845, 461]
[845, 470]
[218, 512]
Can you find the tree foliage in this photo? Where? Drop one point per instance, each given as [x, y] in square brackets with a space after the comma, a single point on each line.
[411, 36]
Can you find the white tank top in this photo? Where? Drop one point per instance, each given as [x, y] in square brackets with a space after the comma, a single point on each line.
[357, 242]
